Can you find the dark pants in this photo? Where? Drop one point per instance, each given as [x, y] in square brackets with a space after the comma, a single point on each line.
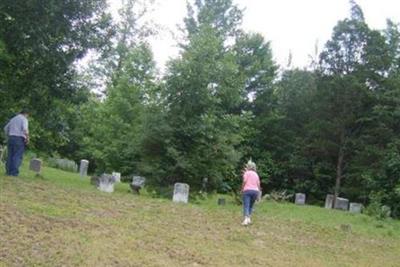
[15, 152]
[249, 197]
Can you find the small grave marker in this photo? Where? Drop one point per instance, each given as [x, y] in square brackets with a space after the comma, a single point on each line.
[300, 199]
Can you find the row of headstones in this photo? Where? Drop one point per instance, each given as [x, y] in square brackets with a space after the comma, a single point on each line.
[106, 182]
[340, 203]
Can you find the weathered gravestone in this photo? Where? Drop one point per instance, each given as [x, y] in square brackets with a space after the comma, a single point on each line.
[341, 203]
[221, 201]
[117, 176]
[1, 154]
[355, 207]
[181, 193]
[300, 199]
[329, 201]
[83, 168]
[106, 183]
[137, 183]
[95, 180]
[35, 165]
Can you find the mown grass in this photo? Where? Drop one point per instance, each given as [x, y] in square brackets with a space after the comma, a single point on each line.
[59, 219]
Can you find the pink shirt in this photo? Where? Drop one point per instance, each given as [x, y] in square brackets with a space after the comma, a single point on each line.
[251, 181]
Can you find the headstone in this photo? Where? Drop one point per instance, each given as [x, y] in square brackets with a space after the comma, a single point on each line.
[117, 176]
[181, 193]
[342, 203]
[1, 154]
[204, 184]
[329, 201]
[83, 168]
[137, 183]
[106, 183]
[221, 201]
[355, 207]
[300, 199]
[35, 165]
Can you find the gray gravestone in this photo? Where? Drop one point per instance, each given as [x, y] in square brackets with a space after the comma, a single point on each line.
[83, 168]
[117, 176]
[300, 199]
[342, 203]
[137, 183]
[355, 207]
[221, 201]
[35, 165]
[329, 201]
[106, 183]
[181, 193]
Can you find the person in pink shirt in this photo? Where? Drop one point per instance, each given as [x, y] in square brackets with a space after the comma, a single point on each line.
[251, 190]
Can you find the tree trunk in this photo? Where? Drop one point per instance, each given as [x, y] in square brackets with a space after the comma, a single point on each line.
[339, 169]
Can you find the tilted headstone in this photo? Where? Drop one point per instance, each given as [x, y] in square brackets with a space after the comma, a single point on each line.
[355, 207]
[329, 201]
[117, 176]
[83, 168]
[181, 193]
[300, 199]
[106, 183]
[342, 203]
[35, 165]
[137, 183]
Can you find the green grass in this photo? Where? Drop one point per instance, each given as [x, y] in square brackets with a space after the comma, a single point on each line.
[59, 219]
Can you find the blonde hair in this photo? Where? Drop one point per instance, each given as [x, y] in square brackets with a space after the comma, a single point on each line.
[250, 165]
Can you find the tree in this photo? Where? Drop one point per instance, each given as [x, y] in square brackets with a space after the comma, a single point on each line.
[43, 39]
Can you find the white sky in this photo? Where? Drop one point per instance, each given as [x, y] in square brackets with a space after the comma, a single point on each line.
[290, 25]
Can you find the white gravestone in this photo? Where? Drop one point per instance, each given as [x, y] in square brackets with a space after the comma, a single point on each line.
[106, 183]
[181, 193]
[117, 176]
[300, 199]
[35, 165]
[83, 168]
[355, 207]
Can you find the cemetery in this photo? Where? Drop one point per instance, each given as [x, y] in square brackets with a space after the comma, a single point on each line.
[199, 133]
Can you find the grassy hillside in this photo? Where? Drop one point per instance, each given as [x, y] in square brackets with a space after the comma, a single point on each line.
[61, 220]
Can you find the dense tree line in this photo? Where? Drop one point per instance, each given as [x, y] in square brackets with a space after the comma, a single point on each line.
[331, 128]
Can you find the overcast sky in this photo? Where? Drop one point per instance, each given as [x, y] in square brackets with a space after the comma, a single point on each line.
[290, 25]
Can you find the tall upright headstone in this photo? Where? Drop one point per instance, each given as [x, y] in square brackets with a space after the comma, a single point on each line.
[300, 199]
[83, 168]
[355, 207]
[1, 154]
[117, 176]
[35, 165]
[181, 193]
[329, 201]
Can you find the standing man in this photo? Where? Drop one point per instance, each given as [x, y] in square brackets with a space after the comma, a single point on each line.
[17, 133]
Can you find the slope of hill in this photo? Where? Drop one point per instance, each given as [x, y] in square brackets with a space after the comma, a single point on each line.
[61, 220]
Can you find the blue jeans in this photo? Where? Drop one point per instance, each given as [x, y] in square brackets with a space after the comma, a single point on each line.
[15, 152]
[249, 197]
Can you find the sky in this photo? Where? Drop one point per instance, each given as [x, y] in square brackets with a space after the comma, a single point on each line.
[291, 26]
